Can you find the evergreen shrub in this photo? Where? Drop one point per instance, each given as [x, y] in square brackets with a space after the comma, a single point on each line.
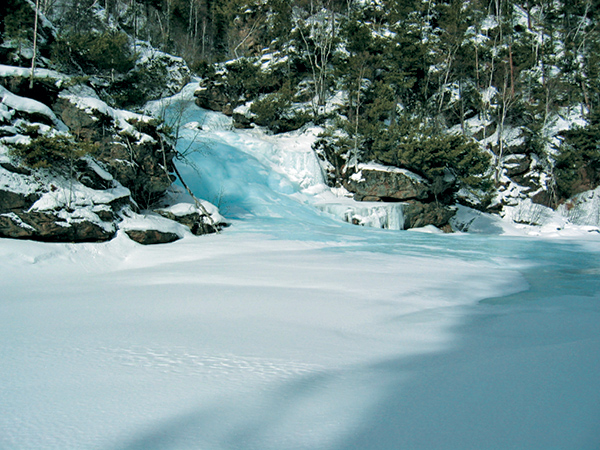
[275, 112]
[103, 52]
[52, 152]
[433, 154]
[577, 165]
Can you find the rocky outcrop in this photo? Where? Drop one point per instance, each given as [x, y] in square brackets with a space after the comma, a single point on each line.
[417, 214]
[378, 183]
[133, 151]
[127, 168]
[196, 220]
[516, 164]
[215, 97]
[155, 75]
[382, 183]
[15, 201]
[20, 220]
[49, 227]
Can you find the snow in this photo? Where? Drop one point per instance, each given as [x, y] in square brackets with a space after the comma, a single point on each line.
[183, 209]
[151, 221]
[123, 119]
[269, 337]
[381, 168]
[294, 330]
[14, 182]
[29, 106]
[23, 72]
[583, 209]
[66, 194]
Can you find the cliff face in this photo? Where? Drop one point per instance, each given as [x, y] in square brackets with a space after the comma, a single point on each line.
[74, 166]
[70, 167]
[76, 169]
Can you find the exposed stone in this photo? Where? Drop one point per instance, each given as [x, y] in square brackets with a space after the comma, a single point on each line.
[214, 96]
[528, 180]
[106, 215]
[13, 201]
[150, 237]
[417, 214]
[152, 78]
[516, 164]
[544, 198]
[137, 165]
[197, 223]
[45, 226]
[370, 198]
[87, 176]
[241, 121]
[15, 169]
[387, 184]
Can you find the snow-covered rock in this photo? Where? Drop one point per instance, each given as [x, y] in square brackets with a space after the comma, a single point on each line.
[375, 182]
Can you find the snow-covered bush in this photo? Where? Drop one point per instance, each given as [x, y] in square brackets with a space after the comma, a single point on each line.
[55, 152]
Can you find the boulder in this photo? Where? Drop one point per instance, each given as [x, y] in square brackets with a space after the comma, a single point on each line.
[14, 201]
[194, 218]
[374, 182]
[417, 214]
[48, 227]
[214, 96]
[150, 237]
[516, 164]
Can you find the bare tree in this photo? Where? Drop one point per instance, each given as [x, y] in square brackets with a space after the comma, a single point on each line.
[35, 32]
[319, 44]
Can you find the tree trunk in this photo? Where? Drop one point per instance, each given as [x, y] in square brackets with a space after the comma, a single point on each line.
[35, 29]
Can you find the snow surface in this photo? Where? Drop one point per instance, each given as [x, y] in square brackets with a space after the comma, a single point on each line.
[23, 72]
[29, 106]
[294, 330]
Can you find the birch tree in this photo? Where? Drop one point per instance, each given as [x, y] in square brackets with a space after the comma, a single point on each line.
[318, 34]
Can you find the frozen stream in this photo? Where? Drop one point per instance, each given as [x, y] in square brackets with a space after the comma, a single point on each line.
[294, 330]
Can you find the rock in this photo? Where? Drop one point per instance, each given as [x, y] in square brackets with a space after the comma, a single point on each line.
[417, 214]
[374, 182]
[47, 227]
[241, 120]
[156, 75]
[150, 237]
[377, 182]
[12, 226]
[15, 169]
[198, 223]
[214, 96]
[528, 180]
[13, 201]
[544, 198]
[138, 164]
[86, 175]
[516, 164]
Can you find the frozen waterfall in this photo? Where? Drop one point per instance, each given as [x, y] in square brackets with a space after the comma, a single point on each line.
[247, 173]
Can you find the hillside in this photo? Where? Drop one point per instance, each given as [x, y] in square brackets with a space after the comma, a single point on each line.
[74, 165]
[495, 105]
